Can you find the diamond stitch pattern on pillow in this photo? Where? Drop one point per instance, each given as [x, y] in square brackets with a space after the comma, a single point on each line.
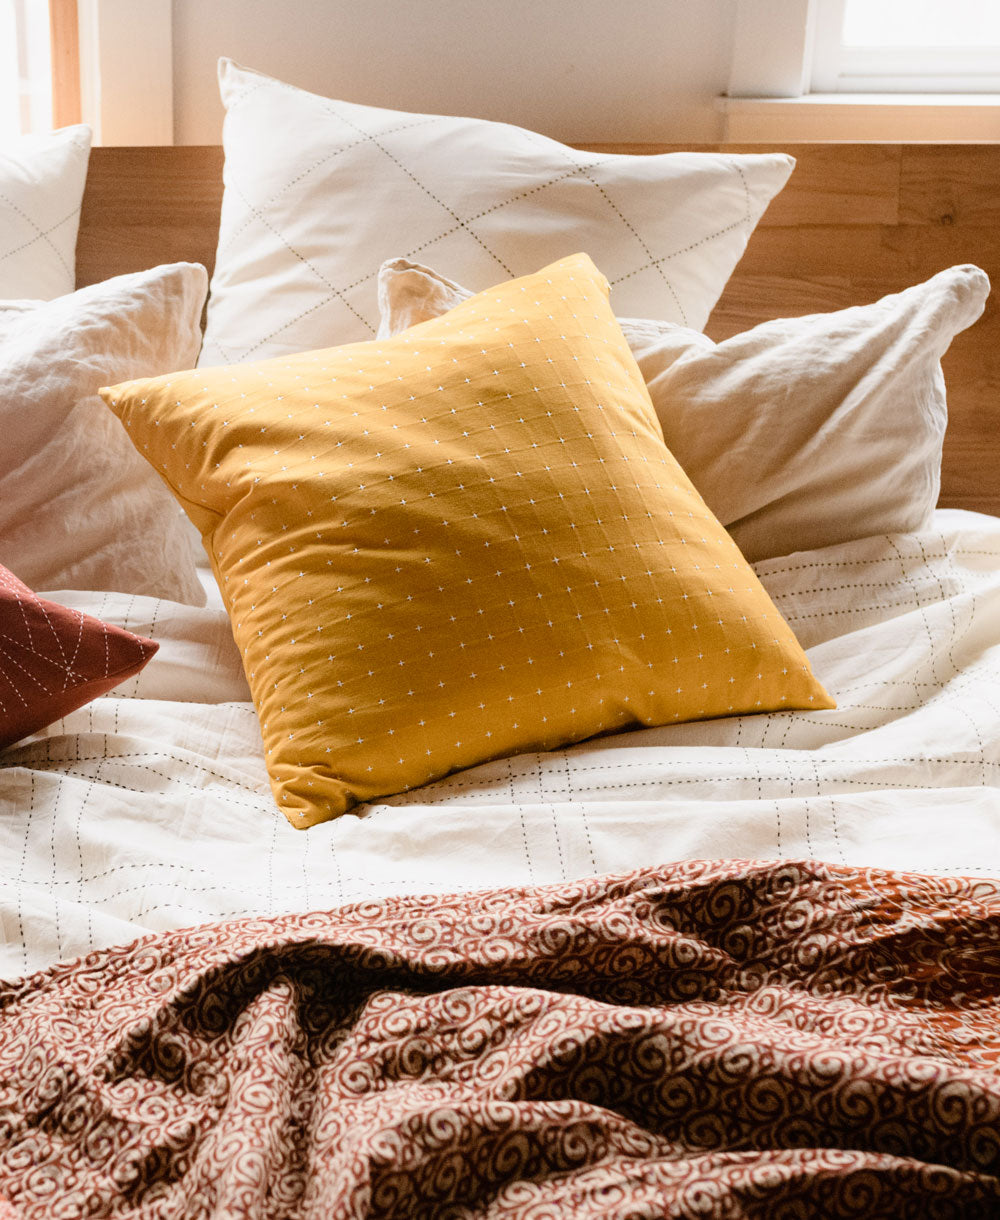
[53, 659]
[319, 192]
[463, 543]
[42, 177]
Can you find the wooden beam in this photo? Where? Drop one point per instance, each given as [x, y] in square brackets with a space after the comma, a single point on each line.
[64, 35]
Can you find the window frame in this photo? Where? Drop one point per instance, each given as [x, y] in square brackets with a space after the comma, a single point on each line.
[771, 95]
[64, 55]
[111, 66]
[837, 68]
[126, 70]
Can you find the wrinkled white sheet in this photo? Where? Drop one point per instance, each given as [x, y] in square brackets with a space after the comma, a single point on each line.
[150, 809]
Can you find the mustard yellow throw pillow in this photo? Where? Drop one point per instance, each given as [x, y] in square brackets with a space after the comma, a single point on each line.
[460, 543]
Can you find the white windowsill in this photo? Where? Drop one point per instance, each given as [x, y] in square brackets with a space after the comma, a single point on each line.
[952, 118]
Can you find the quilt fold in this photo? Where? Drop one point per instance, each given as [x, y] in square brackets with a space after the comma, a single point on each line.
[702, 1039]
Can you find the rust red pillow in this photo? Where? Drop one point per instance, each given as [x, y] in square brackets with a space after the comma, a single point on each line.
[53, 659]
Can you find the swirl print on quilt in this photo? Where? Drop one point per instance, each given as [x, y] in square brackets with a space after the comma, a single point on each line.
[710, 1039]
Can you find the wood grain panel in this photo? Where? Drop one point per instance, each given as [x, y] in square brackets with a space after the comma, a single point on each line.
[950, 185]
[860, 257]
[846, 184]
[144, 206]
[855, 222]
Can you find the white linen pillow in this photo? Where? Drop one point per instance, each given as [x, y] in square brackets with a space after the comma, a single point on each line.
[79, 508]
[41, 189]
[800, 433]
[319, 192]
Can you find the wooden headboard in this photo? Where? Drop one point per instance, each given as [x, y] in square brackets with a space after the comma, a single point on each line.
[855, 222]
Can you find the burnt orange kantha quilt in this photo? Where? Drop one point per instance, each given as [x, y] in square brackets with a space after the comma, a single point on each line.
[704, 1039]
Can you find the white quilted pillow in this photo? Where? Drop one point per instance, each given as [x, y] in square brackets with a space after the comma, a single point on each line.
[41, 188]
[318, 193]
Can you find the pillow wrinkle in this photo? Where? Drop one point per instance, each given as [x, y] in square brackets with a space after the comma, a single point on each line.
[79, 508]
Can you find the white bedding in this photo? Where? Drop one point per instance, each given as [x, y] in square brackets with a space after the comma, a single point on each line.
[150, 808]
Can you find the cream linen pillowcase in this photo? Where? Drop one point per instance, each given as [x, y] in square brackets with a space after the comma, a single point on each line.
[41, 189]
[79, 508]
[801, 433]
[319, 192]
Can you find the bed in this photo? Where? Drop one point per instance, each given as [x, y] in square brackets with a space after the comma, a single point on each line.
[743, 966]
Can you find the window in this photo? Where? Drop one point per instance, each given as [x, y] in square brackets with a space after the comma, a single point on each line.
[25, 69]
[875, 70]
[909, 46]
[108, 63]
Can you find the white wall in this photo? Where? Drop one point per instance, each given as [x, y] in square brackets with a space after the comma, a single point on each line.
[585, 70]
